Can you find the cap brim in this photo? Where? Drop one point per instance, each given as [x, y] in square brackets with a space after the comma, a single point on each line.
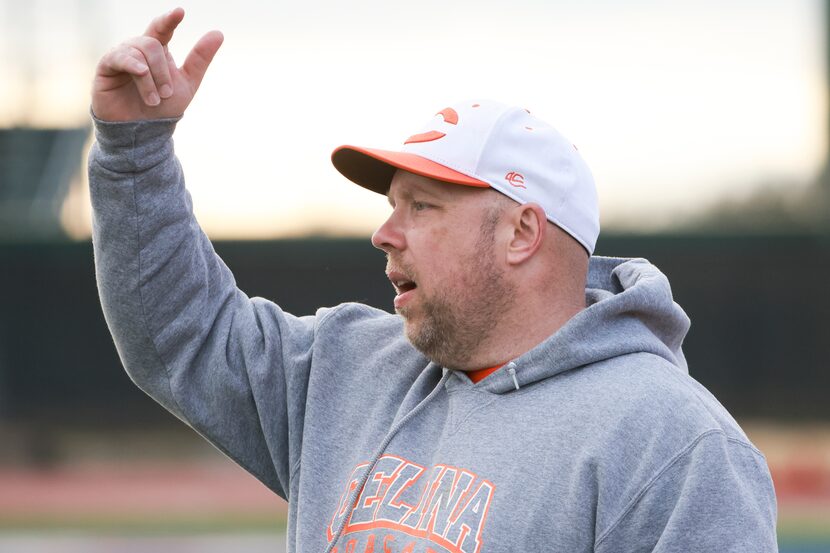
[373, 169]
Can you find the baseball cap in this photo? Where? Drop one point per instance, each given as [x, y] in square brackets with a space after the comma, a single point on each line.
[489, 144]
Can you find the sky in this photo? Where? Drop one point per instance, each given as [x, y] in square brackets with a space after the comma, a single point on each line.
[675, 105]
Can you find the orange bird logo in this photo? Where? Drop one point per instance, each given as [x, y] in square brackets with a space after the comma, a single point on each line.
[450, 116]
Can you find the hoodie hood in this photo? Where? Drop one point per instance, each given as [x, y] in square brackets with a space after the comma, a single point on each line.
[629, 309]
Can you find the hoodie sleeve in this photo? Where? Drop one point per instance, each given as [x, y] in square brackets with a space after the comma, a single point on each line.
[233, 368]
[716, 495]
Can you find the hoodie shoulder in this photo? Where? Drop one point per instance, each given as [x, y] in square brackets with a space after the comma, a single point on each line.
[644, 393]
[352, 317]
[642, 418]
[365, 335]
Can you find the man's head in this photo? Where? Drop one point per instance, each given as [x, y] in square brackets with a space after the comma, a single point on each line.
[475, 262]
[440, 244]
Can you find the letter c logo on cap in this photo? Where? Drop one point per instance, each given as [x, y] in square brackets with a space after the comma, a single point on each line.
[515, 179]
[450, 116]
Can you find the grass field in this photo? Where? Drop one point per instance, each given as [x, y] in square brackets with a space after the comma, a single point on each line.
[125, 543]
[205, 503]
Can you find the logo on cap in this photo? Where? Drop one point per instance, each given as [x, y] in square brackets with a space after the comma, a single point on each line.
[515, 179]
[450, 116]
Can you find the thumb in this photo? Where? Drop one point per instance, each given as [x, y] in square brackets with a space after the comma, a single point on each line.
[200, 56]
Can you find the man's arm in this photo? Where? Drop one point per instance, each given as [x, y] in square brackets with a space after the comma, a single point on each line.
[235, 369]
[717, 495]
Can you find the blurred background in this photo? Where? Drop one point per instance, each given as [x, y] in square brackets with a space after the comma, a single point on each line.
[705, 124]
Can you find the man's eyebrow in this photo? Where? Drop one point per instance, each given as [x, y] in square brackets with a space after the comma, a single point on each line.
[409, 194]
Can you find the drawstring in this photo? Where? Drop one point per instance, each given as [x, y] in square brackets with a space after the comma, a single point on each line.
[511, 368]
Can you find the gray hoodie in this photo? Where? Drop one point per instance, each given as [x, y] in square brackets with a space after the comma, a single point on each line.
[595, 440]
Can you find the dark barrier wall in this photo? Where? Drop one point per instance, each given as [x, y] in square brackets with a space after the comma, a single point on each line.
[758, 305]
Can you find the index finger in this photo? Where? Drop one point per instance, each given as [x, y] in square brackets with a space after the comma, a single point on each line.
[161, 28]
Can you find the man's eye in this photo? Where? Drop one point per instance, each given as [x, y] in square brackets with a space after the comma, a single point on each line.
[419, 206]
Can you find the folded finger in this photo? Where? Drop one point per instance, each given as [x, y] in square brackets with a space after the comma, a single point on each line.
[143, 80]
[120, 60]
[156, 57]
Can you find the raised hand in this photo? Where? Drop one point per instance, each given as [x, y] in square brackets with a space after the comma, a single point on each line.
[138, 79]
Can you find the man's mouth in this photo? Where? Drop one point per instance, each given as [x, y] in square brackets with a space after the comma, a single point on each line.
[404, 286]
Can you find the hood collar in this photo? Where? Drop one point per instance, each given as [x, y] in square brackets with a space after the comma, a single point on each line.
[630, 309]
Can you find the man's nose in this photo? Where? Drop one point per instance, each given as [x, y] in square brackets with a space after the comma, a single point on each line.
[388, 236]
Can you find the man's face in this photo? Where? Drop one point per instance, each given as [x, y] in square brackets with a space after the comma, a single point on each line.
[442, 260]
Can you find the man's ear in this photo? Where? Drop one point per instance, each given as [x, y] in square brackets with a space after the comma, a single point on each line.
[528, 226]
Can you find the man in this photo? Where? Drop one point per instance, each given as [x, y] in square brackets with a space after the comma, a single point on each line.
[527, 396]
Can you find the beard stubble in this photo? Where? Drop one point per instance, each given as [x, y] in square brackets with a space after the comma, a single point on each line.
[458, 319]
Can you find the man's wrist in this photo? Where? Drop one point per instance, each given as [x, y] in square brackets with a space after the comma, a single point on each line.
[133, 146]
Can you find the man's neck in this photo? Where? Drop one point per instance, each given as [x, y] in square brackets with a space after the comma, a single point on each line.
[527, 325]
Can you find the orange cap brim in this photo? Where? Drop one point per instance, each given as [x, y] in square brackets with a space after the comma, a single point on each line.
[374, 169]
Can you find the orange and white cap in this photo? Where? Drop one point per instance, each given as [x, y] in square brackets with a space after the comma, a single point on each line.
[488, 144]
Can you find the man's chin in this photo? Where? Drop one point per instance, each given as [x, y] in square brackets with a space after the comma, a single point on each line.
[406, 312]
[409, 325]
[412, 330]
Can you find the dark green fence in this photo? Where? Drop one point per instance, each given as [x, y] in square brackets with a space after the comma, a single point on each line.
[759, 307]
